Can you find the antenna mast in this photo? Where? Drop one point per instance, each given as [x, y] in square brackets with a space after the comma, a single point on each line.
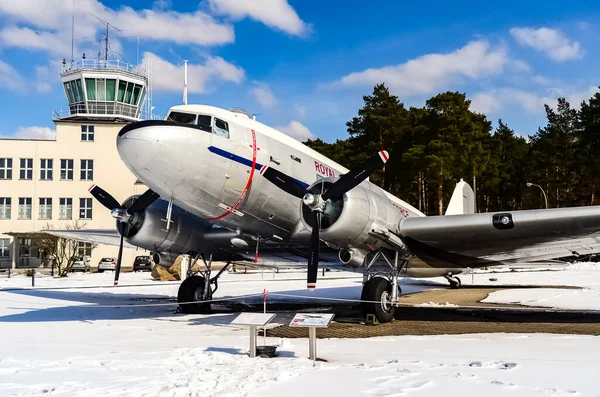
[106, 38]
[73, 34]
[185, 82]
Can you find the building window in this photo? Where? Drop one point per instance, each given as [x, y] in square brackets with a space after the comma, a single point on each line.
[5, 168]
[46, 169]
[85, 208]
[66, 170]
[221, 128]
[85, 249]
[5, 205]
[87, 133]
[4, 247]
[45, 208]
[24, 208]
[26, 172]
[87, 170]
[65, 208]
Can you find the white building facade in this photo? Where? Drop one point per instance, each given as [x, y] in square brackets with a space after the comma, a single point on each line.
[45, 183]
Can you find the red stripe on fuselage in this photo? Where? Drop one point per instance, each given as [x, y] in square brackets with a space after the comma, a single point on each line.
[233, 207]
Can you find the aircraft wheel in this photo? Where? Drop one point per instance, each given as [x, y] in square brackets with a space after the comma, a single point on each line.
[455, 283]
[191, 290]
[379, 290]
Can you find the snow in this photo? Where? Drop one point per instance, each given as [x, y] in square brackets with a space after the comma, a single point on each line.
[81, 337]
[584, 275]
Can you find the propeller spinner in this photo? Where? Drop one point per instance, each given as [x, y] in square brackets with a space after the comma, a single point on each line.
[122, 214]
[318, 203]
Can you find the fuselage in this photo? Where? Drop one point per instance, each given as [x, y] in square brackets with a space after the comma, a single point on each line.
[209, 160]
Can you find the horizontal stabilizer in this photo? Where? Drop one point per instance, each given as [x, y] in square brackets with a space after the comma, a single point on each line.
[462, 201]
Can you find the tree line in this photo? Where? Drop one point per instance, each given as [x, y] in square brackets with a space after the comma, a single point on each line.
[433, 147]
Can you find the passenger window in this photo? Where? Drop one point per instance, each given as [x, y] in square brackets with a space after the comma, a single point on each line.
[221, 128]
[204, 123]
[185, 118]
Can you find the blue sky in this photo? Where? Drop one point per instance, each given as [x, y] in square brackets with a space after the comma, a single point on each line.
[303, 66]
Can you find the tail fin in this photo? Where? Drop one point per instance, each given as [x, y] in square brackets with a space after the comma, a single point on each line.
[462, 201]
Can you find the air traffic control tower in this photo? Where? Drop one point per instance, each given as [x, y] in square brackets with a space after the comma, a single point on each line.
[103, 90]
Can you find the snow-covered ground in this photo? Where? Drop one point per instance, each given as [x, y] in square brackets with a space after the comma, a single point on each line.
[69, 338]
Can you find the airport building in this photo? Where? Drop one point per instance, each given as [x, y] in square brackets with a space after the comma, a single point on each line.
[45, 183]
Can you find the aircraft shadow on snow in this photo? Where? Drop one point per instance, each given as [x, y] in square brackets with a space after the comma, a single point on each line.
[101, 306]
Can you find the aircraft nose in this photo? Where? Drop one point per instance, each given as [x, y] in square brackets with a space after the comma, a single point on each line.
[137, 144]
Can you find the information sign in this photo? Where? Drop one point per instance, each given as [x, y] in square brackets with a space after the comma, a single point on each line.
[319, 320]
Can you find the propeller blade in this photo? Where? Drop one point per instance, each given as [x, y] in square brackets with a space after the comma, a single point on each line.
[118, 268]
[104, 197]
[143, 201]
[313, 259]
[283, 181]
[356, 175]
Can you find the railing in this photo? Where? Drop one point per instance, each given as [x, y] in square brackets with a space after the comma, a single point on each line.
[109, 109]
[102, 64]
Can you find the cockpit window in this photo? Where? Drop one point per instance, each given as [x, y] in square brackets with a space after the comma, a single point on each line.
[221, 128]
[204, 123]
[185, 118]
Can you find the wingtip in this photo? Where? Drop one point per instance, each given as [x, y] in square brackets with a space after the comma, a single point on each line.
[91, 187]
[311, 286]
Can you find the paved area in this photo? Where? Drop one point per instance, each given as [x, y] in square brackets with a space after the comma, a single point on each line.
[471, 316]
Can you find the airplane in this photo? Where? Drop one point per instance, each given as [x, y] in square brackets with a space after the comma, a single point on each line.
[223, 186]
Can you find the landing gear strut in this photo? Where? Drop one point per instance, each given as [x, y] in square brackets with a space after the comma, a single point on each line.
[381, 289]
[454, 281]
[195, 293]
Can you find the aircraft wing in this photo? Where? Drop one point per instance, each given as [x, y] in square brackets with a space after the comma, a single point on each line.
[97, 236]
[271, 253]
[488, 239]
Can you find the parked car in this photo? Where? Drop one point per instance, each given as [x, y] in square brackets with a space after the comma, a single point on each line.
[107, 264]
[142, 262]
[81, 264]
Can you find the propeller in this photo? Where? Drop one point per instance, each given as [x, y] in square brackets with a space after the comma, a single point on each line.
[122, 214]
[320, 204]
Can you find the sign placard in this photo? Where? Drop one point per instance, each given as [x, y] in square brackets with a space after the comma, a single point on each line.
[319, 320]
[257, 319]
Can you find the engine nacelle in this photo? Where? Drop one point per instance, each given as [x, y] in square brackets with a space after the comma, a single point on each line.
[347, 220]
[148, 229]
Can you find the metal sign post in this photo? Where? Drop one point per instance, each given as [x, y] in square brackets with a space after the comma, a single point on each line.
[253, 320]
[312, 321]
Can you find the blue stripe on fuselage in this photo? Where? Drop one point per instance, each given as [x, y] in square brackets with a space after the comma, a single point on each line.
[241, 160]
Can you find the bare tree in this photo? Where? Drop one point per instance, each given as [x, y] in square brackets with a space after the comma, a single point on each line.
[62, 251]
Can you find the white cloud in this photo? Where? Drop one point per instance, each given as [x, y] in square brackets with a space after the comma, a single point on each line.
[276, 14]
[433, 72]
[169, 77]
[300, 111]
[35, 40]
[493, 101]
[549, 41]
[263, 95]
[10, 78]
[44, 133]
[296, 130]
[43, 79]
[50, 24]
[520, 65]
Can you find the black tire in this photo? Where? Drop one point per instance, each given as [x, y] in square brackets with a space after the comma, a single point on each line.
[455, 283]
[376, 289]
[100, 271]
[189, 291]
